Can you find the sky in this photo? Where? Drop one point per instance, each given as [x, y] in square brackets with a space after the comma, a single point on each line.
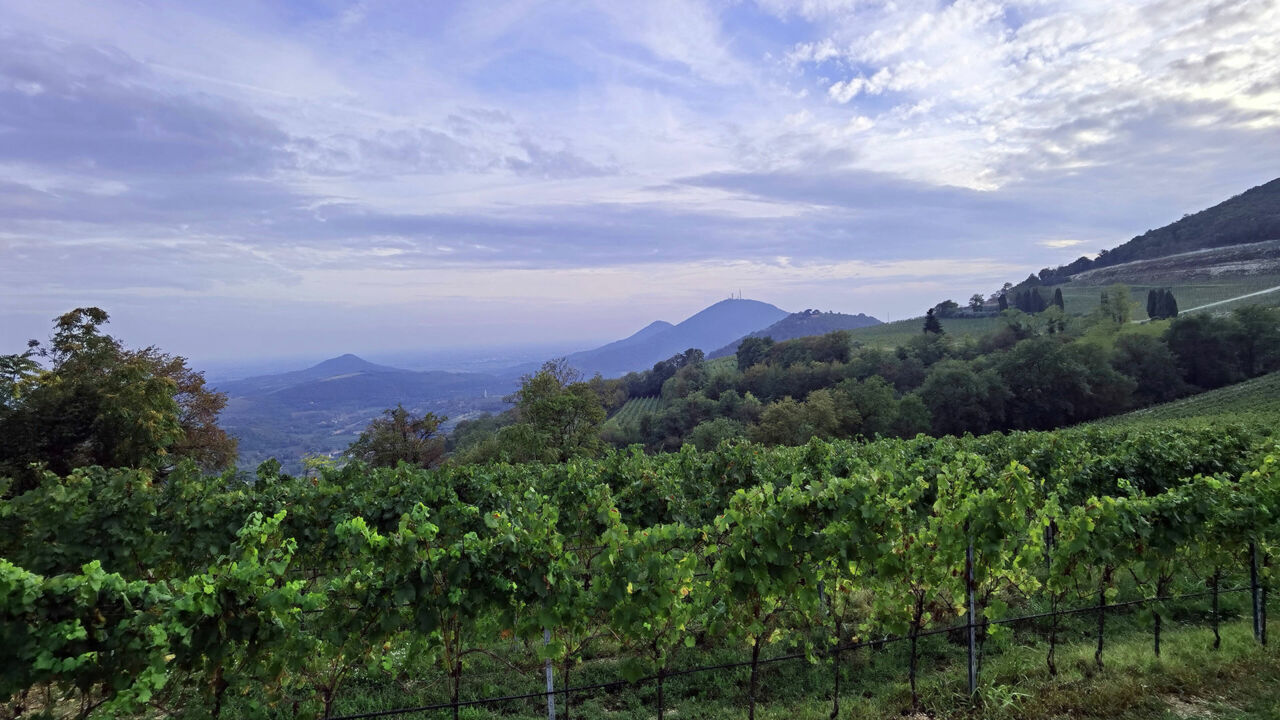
[242, 179]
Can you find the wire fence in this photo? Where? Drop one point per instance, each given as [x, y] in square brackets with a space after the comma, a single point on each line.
[1256, 588]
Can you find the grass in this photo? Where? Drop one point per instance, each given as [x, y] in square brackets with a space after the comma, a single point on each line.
[1239, 681]
[898, 332]
[1084, 299]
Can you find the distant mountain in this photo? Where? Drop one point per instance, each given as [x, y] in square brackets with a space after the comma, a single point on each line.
[711, 328]
[322, 408]
[333, 367]
[803, 324]
[1253, 216]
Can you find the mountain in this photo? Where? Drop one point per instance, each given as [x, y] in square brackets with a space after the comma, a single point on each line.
[321, 409]
[803, 324]
[334, 367]
[713, 327]
[1253, 216]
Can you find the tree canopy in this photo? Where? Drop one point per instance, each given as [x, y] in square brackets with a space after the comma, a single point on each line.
[84, 399]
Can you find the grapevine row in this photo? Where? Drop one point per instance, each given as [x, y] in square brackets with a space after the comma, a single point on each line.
[124, 592]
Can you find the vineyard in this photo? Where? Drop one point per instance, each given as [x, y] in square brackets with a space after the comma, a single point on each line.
[1256, 400]
[634, 409]
[367, 590]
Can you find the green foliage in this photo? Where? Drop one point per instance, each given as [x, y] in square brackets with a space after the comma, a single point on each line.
[100, 404]
[256, 599]
[399, 437]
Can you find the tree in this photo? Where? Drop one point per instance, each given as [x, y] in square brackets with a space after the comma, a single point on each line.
[1161, 304]
[1256, 335]
[100, 404]
[1003, 301]
[1057, 299]
[976, 302]
[1150, 364]
[559, 416]
[1114, 304]
[961, 399]
[398, 437]
[752, 351]
[1205, 351]
[931, 324]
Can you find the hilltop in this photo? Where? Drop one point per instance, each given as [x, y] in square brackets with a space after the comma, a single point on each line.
[1251, 217]
[802, 324]
[713, 327]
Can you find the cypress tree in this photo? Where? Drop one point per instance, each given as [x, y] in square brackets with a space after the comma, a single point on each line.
[1154, 305]
[1003, 302]
[1170, 309]
[931, 324]
[1057, 299]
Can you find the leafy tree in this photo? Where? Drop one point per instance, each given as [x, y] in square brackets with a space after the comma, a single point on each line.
[1205, 350]
[752, 351]
[962, 400]
[1115, 305]
[1152, 367]
[976, 301]
[559, 416]
[709, 434]
[1256, 334]
[100, 404]
[398, 437]
[931, 324]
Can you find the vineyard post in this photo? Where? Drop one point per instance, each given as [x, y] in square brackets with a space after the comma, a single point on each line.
[1217, 637]
[1255, 591]
[551, 685]
[835, 665]
[1102, 613]
[973, 622]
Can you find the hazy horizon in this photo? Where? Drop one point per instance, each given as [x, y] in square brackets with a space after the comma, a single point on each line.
[251, 179]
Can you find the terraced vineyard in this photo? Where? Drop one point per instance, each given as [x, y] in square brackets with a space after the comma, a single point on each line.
[634, 410]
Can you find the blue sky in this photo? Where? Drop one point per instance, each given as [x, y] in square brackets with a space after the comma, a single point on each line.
[246, 179]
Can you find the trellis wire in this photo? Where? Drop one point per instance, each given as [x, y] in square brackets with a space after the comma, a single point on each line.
[1252, 588]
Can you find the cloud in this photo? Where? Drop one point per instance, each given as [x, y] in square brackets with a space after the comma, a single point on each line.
[523, 159]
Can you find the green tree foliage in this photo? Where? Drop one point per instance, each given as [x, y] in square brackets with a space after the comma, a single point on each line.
[398, 437]
[1152, 366]
[1161, 304]
[99, 403]
[1256, 334]
[976, 301]
[1057, 299]
[558, 416]
[961, 399]
[1205, 350]
[752, 351]
[1115, 305]
[931, 324]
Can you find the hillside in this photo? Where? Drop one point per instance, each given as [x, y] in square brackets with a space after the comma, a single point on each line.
[321, 409]
[1252, 216]
[1252, 400]
[713, 327]
[802, 324]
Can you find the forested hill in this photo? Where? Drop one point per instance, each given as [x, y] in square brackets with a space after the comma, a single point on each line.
[710, 328]
[1251, 216]
[803, 324]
